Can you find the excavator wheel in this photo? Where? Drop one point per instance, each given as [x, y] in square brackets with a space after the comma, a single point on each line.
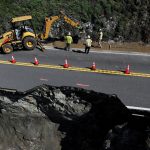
[7, 48]
[29, 43]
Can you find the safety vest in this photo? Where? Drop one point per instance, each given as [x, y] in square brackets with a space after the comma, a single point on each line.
[68, 39]
[88, 42]
[100, 35]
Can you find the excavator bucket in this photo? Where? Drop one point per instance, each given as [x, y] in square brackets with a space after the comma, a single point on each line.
[39, 44]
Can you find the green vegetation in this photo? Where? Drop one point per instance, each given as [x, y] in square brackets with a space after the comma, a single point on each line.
[129, 19]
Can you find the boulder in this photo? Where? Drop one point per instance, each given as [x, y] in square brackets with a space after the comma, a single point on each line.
[65, 118]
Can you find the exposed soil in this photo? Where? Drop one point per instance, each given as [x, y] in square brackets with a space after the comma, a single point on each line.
[68, 118]
[117, 46]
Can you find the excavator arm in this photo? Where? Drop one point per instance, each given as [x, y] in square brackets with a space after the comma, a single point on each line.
[48, 25]
[71, 22]
[50, 21]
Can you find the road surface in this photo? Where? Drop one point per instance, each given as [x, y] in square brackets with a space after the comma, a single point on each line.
[132, 90]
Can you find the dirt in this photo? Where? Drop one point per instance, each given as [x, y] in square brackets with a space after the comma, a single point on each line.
[116, 46]
[68, 118]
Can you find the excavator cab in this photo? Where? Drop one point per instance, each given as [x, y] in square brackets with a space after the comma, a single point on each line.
[22, 35]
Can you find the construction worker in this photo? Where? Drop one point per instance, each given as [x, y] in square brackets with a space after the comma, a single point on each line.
[17, 31]
[88, 44]
[68, 40]
[100, 38]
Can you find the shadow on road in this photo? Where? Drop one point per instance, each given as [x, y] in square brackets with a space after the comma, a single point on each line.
[78, 51]
[60, 48]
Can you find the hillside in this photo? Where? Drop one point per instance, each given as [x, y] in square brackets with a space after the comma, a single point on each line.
[128, 19]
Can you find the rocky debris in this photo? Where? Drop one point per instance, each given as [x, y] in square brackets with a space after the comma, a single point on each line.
[67, 118]
[133, 135]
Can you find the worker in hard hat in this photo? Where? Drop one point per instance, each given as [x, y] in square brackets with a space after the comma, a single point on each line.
[100, 38]
[88, 44]
[68, 40]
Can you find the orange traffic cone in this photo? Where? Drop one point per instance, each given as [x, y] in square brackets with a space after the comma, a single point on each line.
[93, 66]
[127, 70]
[13, 59]
[66, 65]
[36, 62]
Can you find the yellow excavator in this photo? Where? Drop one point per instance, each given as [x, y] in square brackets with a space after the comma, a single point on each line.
[22, 35]
[49, 22]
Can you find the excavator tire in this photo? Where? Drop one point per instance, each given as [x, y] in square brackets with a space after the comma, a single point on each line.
[7, 48]
[29, 43]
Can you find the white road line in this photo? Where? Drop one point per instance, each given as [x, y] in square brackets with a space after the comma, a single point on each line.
[139, 108]
[109, 52]
[138, 115]
[123, 53]
[82, 85]
[42, 79]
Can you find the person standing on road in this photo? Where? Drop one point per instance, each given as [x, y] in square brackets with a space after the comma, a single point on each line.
[68, 40]
[100, 38]
[88, 44]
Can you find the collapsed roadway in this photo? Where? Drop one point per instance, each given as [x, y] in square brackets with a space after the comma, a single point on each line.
[67, 118]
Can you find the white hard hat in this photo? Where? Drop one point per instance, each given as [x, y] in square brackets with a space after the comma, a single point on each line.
[69, 33]
[88, 36]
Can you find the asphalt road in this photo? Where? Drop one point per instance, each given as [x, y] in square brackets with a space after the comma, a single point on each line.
[133, 91]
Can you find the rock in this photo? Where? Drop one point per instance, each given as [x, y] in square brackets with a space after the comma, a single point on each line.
[131, 135]
[28, 133]
[67, 118]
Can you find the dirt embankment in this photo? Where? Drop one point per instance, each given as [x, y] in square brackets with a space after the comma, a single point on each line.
[68, 118]
[116, 46]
